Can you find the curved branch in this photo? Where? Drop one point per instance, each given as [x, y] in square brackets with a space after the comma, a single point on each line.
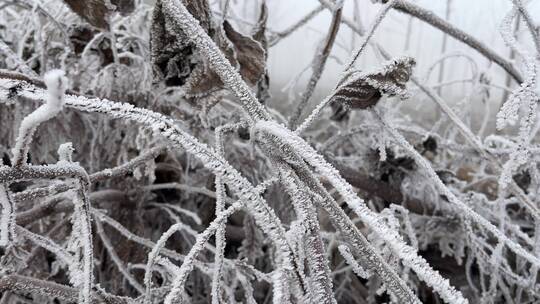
[460, 35]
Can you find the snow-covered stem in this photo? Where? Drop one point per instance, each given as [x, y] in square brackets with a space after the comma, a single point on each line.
[127, 167]
[117, 171]
[407, 254]
[533, 30]
[429, 17]
[264, 216]
[281, 293]
[48, 245]
[81, 275]
[175, 295]
[163, 126]
[18, 283]
[7, 217]
[204, 267]
[353, 25]
[220, 207]
[349, 258]
[153, 256]
[83, 232]
[318, 64]
[133, 237]
[466, 211]
[56, 86]
[178, 13]
[12, 174]
[321, 285]
[523, 96]
[370, 32]
[116, 259]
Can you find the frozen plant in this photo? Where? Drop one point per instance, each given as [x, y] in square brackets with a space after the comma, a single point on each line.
[149, 157]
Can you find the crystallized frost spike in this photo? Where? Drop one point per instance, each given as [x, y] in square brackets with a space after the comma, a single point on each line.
[56, 84]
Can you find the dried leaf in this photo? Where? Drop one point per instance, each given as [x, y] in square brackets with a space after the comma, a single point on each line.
[97, 12]
[363, 90]
[176, 60]
[124, 7]
[249, 54]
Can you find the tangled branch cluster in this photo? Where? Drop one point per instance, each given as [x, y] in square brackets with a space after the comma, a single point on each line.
[192, 188]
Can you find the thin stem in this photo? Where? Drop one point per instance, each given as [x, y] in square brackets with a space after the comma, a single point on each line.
[318, 65]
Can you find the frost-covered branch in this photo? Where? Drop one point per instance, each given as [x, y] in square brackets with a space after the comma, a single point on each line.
[318, 64]
[427, 16]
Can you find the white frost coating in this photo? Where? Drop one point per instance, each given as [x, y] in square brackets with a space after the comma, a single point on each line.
[281, 294]
[65, 152]
[56, 84]
[7, 220]
[82, 244]
[220, 207]
[174, 295]
[524, 96]
[408, 255]
[153, 257]
[467, 212]
[308, 230]
[264, 216]
[116, 259]
[349, 258]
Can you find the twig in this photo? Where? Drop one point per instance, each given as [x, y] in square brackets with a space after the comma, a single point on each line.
[318, 65]
[432, 19]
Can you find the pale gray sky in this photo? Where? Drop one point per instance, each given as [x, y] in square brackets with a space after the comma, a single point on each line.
[481, 18]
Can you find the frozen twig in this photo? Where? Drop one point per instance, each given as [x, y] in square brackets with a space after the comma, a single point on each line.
[318, 65]
[412, 9]
[7, 217]
[367, 37]
[530, 24]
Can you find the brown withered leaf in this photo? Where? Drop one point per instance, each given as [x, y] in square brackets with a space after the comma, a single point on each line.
[124, 7]
[177, 61]
[97, 12]
[174, 58]
[363, 90]
[249, 54]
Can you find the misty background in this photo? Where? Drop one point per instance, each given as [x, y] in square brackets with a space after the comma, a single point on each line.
[399, 34]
